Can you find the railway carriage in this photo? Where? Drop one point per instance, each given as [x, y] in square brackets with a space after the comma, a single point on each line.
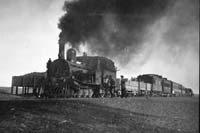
[132, 88]
[176, 89]
[166, 87]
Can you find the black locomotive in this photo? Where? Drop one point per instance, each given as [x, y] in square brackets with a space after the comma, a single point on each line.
[81, 76]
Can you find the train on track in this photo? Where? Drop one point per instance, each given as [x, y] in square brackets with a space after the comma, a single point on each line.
[154, 85]
[85, 76]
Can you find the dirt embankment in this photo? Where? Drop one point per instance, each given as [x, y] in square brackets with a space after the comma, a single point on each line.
[100, 115]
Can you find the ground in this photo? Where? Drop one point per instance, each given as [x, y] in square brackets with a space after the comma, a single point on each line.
[137, 114]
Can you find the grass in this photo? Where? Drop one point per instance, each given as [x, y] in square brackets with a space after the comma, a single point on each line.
[136, 114]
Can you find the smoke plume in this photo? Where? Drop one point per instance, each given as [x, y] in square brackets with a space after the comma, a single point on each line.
[109, 27]
[171, 46]
[142, 36]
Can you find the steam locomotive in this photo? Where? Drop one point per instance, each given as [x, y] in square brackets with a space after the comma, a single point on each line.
[81, 76]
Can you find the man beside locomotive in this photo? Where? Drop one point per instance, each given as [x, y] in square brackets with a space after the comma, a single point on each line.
[111, 85]
[106, 85]
[123, 88]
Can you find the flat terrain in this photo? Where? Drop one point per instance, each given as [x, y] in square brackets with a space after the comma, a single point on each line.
[137, 114]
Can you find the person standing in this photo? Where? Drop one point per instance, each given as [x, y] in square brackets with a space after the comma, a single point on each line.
[123, 88]
[111, 86]
[106, 86]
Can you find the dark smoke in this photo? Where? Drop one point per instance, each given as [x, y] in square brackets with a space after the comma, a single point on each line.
[109, 27]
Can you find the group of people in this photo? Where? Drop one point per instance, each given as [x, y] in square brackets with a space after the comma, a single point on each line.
[109, 86]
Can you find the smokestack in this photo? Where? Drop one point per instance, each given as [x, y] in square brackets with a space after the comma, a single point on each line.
[61, 51]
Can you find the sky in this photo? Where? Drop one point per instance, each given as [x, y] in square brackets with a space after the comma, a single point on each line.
[29, 36]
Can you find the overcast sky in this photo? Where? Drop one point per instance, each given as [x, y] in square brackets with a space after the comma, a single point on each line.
[29, 37]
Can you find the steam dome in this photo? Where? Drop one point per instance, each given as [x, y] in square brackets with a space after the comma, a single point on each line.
[71, 55]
